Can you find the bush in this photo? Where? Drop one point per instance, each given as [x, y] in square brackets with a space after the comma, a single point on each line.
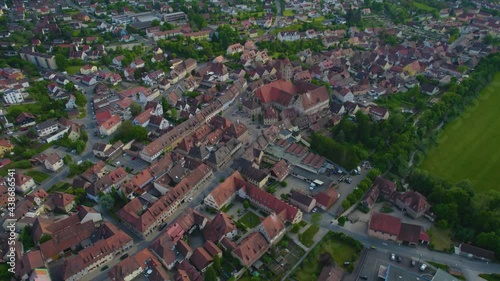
[283, 183]
[295, 228]
[342, 220]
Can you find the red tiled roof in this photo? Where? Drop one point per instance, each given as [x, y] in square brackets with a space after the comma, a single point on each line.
[285, 211]
[111, 122]
[251, 248]
[272, 225]
[385, 223]
[218, 227]
[201, 258]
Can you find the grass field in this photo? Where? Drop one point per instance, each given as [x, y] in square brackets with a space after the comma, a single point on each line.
[423, 6]
[468, 147]
[250, 219]
[74, 69]
[440, 238]
[490, 277]
[288, 13]
[38, 176]
[339, 250]
[307, 237]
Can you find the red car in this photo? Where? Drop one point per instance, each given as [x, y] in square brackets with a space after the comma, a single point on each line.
[133, 158]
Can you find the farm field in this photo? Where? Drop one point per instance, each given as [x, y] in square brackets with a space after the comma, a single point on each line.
[423, 6]
[468, 146]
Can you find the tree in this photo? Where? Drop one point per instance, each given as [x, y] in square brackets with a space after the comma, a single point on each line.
[346, 204]
[107, 201]
[217, 264]
[80, 99]
[283, 183]
[246, 204]
[210, 274]
[373, 174]
[135, 108]
[26, 238]
[128, 131]
[316, 219]
[69, 87]
[61, 61]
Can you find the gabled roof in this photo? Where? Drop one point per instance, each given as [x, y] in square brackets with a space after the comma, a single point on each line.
[272, 226]
[218, 227]
[414, 201]
[385, 223]
[326, 198]
[301, 198]
[201, 258]
[251, 248]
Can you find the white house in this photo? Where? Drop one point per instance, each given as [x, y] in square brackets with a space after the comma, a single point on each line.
[344, 95]
[12, 96]
[53, 162]
[288, 36]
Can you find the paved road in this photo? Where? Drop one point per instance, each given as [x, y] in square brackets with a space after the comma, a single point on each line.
[470, 268]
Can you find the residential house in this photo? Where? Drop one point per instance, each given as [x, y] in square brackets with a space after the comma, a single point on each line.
[302, 201]
[109, 126]
[24, 183]
[25, 119]
[414, 203]
[272, 228]
[53, 162]
[473, 252]
[250, 249]
[5, 146]
[386, 227]
[378, 113]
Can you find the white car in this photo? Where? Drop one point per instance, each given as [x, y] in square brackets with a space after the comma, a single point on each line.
[79, 162]
[393, 256]
[423, 267]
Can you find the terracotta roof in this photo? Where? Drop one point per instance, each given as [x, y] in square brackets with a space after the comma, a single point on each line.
[331, 273]
[251, 248]
[62, 199]
[386, 186]
[326, 198]
[143, 221]
[129, 265]
[211, 248]
[272, 225]
[201, 258]
[279, 91]
[409, 233]
[280, 169]
[184, 248]
[67, 238]
[163, 247]
[414, 201]
[385, 223]
[285, 211]
[227, 188]
[111, 122]
[190, 270]
[53, 158]
[313, 160]
[217, 228]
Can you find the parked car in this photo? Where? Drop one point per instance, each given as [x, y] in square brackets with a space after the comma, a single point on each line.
[393, 256]
[124, 257]
[104, 268]
[412, 263]
[400, 259]
[423, 267]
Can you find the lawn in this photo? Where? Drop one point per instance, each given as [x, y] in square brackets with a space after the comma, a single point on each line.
[423, 6]
[74, 69]
[341, 250]
[490, 277]
[37, 175]
[307, 237]
[288, 13]
[440, 238]
[468, 147]
[250, 219]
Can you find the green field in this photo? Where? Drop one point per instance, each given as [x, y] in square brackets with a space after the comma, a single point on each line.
[340, 251]
[288, 13]
[37, 175]
[307, 237]
[468, 146]
[250, 219]
[490, 277]
[74, 69]
[440, 238]
[423, 6]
